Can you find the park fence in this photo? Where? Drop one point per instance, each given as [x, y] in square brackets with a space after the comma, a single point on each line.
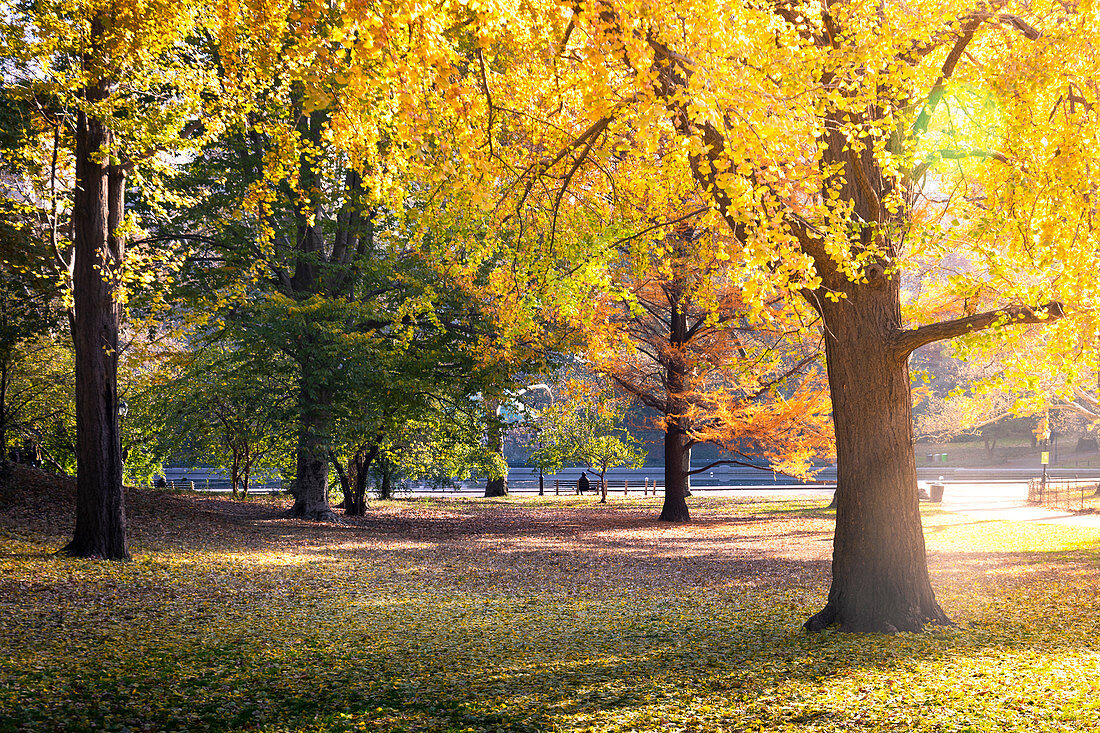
[216, 484]
[562, 487]
[1066, 494]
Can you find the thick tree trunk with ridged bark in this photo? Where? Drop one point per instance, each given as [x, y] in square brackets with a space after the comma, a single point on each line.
[314, 395]
[675, 508]
[880, 571]
[314, 429]
[880, 576]
[880, 580]
[98, 208]
[677, 384]
[494, 435]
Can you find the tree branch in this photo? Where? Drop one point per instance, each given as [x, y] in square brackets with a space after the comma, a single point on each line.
[1090, 410]
[969, 27]
[1090, 402]
[659, 225]
[907, 341]
[488, 101]
[735, 462]
[536, 169]
[955, 155]
[640, 394]
[569, 177]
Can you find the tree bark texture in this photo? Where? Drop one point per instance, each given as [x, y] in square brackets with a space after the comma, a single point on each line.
[98, 209]
[355, 492]
[496, 486]
[385, 486]
[880, 575]
[880, 578]
[675, 508]
[320, 269]
[494, 435]
[4, 407]
[677, 442]
[235, 473]
[314, 428]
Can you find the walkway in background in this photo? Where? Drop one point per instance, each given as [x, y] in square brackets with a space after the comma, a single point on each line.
[1007, 501]
[999, 501]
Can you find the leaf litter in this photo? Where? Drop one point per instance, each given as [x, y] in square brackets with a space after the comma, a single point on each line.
[554, 614]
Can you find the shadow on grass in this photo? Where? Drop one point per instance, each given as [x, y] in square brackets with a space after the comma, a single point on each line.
[483, 661]
[507, 617]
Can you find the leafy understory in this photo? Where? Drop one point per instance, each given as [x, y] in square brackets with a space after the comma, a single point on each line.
[525, 615]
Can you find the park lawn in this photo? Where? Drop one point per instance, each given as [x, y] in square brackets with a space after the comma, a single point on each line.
[525, 615]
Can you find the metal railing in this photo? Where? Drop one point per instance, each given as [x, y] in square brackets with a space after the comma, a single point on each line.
[1067, 494]
[216, 485]
[562, 487]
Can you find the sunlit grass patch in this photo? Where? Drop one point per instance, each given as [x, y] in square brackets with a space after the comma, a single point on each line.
[528, 615]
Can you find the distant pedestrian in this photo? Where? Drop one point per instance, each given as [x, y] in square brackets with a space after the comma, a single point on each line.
[582, 483]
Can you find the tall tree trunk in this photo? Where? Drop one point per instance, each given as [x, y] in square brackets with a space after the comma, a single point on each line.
[98, 209]
[355, 496]
[494, 434]
[314, 430]
[385, 488]
[355, 499]
[314, 388]
[880, 573]
[677, 442]
[675, 508]
[497, 486]
[880, 579]
[235, 474]
[687, 469]
[246, 469]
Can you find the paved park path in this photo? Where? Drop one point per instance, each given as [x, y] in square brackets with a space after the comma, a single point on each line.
[1007, 501]
[990, 500]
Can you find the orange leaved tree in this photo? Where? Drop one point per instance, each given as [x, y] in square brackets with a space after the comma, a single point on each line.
[678, 336]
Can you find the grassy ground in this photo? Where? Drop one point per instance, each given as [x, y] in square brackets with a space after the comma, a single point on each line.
[525, 615]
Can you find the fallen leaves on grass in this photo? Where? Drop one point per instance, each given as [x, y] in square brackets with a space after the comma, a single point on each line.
[524, 615]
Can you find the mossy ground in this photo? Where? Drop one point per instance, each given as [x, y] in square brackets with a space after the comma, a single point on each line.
[526, 615]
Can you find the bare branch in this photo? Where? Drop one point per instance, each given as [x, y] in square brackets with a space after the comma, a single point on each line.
[1030, 32]
[642, 395]
[1090, 402]
[536, 169]
[659, 225]
[735, 462]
